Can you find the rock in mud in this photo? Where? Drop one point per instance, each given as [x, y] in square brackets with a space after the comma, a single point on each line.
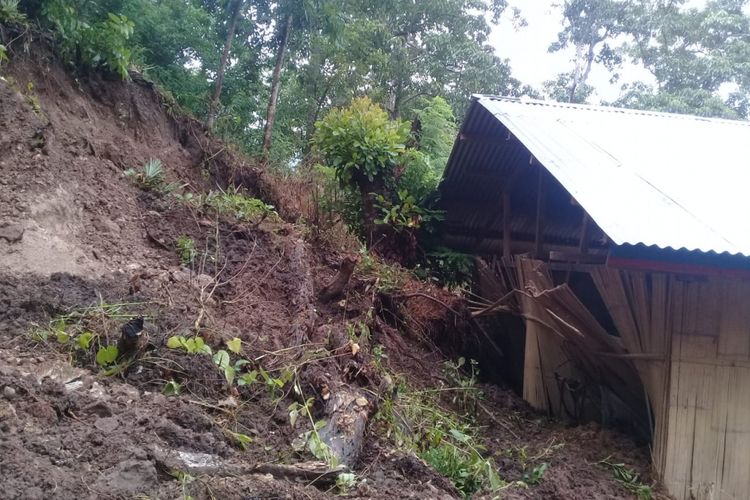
[129, 478]
[105, 225]
[7, 413]
[9, 392]
[12, 233]
[107, 424]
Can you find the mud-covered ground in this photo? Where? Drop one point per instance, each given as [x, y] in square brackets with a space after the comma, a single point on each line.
[77, 235]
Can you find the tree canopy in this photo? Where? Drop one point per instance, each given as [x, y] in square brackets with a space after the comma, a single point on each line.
[260, 68]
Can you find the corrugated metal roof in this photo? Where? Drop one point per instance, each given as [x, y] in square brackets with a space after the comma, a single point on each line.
[645, 178]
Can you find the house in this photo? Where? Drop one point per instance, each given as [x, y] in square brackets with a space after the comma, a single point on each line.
[624, 236]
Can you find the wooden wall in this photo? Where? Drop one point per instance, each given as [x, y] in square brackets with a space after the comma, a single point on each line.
[689, 342]
[707, 453]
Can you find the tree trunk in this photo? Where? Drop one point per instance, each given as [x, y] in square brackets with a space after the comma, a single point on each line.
[344, 432]
[335, 288]
[275, 84]
[368, 191]
[314, 116]
[235, 9]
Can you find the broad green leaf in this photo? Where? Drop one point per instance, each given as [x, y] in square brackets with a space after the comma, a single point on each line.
[221, 359]
[242, 439]
[172, 388]
[105, 356]
[84, 340]
[235, 345]
[248, 378]
[459, 436]
[174, 342]
[229, 373]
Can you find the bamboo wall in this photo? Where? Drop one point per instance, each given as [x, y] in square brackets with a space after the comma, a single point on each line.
[707, 451]
[694, 337]
[688, 340]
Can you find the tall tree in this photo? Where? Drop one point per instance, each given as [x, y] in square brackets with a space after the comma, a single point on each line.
[591, 26]
[234, 8]
[695, 55]
[283, 40]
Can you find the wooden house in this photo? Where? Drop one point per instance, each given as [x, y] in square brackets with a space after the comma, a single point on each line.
[624, 237]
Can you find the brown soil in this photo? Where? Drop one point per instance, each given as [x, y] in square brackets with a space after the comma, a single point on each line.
[74, 232]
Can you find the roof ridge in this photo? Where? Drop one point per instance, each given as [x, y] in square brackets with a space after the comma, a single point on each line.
[609, 109]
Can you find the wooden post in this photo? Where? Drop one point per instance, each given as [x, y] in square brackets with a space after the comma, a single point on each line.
[539, 238]
[584, 244]
[506, 225]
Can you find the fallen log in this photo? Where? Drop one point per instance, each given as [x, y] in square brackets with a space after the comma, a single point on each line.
[347, 411]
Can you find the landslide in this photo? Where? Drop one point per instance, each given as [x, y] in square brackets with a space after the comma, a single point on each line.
[81, 241]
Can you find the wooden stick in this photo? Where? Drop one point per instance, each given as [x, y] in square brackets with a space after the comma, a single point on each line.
[506, 225]
[539, 236]
[584, 244]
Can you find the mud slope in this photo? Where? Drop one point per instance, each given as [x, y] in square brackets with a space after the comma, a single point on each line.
[83, 249]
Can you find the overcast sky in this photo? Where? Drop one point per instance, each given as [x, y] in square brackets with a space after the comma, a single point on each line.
[530, 60]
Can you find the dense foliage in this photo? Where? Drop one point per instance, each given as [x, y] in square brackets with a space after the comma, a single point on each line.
[697, 53]
[376, 86]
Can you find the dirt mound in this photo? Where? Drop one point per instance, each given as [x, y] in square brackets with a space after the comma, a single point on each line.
[83, 249]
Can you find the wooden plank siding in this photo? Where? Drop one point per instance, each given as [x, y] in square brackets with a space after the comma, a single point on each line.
[688, 339]
[709, 403]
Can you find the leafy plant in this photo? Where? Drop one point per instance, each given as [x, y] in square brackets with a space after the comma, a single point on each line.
[360, 141]
[184, 479]
[84, 340]
[444, 439]
[346, 481]
[106, 356]
[629, 478]
[172, 388]
[101, 45]
[464, 386]
[364, 147]
[275, 385]
[86, 332]
[222, 360]
[151, 176]
[463, 464]
[186, 249]
[234, 203]
[311, 439]
[9, 13]
[449, 267]
[191, 345]
[388, 277]
[243, 440]
[534, 476]
[405, 213]
[379, 355]
[235, 345]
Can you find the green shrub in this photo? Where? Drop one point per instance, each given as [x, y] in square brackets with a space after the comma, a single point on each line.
[443, 438]
[381, 181]
[151, 176]
[404, 213]
[360, 142]
[9, 13]
[100, 45]
[334, 203]
[448, 267]
[186, 249]
[234, 203]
